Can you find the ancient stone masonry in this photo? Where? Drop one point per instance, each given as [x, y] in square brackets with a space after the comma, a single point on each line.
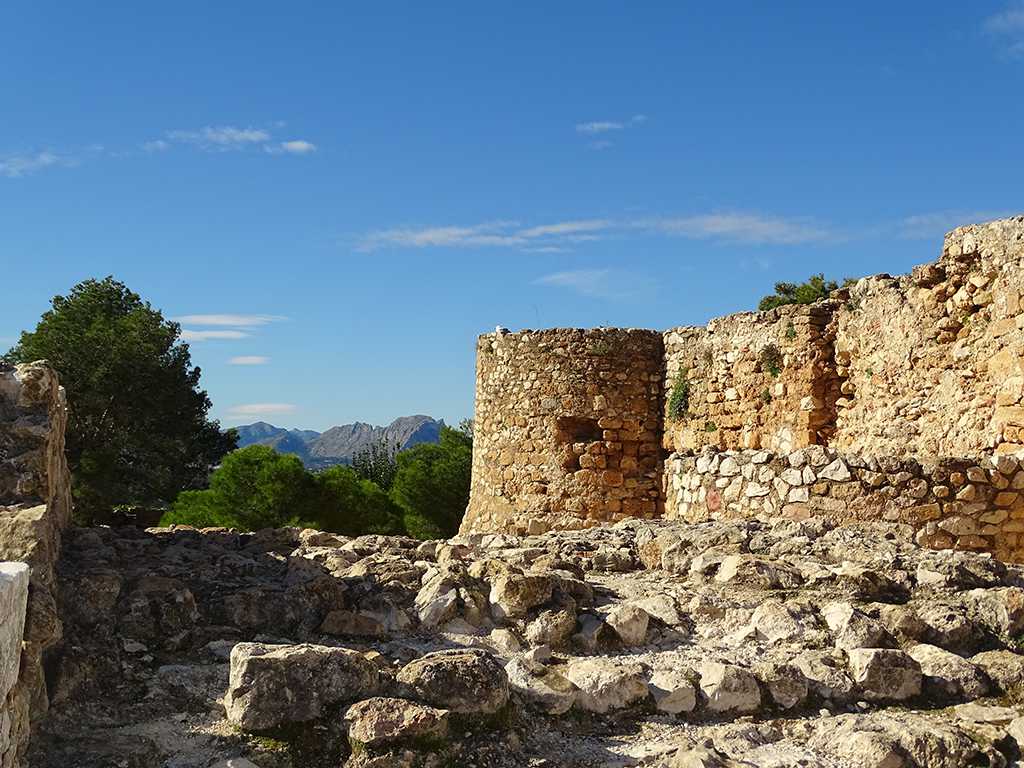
[752, 380]
[35, 505]
[568, 429]
[953, 503]
[933, 360]
[912, 381]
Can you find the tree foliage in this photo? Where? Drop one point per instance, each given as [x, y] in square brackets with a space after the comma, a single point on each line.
[432, 485]
[257, 487]
[377, 463]
[138, 431]
[814, 288]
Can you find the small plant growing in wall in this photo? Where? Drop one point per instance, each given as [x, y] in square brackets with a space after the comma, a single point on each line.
[766, 396]
[600, 348]
[710, 426]
[770, 360]
[679, 399]
[790, 331]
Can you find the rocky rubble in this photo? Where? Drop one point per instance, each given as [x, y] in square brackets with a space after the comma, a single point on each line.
[761, 643]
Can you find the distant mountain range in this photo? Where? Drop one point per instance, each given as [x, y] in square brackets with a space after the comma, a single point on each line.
[339, 444]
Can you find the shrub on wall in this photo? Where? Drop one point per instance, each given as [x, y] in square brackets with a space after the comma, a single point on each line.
[679, 399]
[816, 287]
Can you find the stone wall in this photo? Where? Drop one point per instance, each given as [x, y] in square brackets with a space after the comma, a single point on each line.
[567, 429]
[933, 360]
[975, 504]
[13, 602]
[35, 506]
[752, 380]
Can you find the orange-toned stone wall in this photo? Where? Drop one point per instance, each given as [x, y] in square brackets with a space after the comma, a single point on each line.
[567, 429]
[753, 380]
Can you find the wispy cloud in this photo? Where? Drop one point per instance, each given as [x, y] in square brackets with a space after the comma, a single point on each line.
[925, 226]
[749, 228]
[261, 409]
[599, 126]
[1007, 29]
[298, 147]
[249, 360]
[242, 321]
[221, 138]
[597, 283]
[16, 166]
[189, 334]
[754, 229]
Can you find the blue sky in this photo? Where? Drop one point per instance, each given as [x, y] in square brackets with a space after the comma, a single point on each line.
[346, 194]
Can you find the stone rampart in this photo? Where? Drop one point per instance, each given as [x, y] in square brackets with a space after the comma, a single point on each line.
[567, 429]
[933, 360]
[35, 506]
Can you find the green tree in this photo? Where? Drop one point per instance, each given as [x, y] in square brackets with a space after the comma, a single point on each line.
[377, 464]
[138, 431]
[816, 287]
[257, 487]
[353, 505]
[432, 485]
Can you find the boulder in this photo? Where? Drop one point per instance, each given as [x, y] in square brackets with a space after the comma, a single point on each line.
[785, 683]
[270, 685]
[1005, 669]
[776, 621]
[385, 722]
[826, 675]
[353, 624]
[884, 675]
[853, 629]
[673, 691]
[513, 595]
[552, 627]
[729, 688]
[605, 684]
[629, 622]
[465, 681]
[541, 686]
[948, 675]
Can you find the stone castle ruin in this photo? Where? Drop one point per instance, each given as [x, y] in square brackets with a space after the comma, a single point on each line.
[896, 399]
[788, 539]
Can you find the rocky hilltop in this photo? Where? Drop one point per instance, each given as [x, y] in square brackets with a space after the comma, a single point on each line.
[339, 444]
[771, 643]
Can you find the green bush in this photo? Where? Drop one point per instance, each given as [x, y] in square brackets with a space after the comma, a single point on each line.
[814, 288]
[679, 399]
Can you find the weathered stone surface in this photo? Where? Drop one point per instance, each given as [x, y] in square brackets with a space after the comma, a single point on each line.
[629, 622]
[946, 674]
[541, 686]
[729, 688]
[467, 681]
[275, 684]
[673, 690]
[385, 722]
[883, 674]
[606, 684]
[514, 595]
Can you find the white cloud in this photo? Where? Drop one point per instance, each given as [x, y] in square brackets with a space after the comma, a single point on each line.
[249, 360]
[262, 409]
[743, 228]
[298, 147]
[1007, 28]
[597, 283]
[598, 126]
[638, 119]
[755, 229]
[188, 334]
[567, 227]
[221, 138]
[924, 226]
[599, 145]
[16, 166]
[243, 321]
[158, 145]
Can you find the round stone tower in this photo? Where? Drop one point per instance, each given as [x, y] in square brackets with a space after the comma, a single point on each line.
[567, 429]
